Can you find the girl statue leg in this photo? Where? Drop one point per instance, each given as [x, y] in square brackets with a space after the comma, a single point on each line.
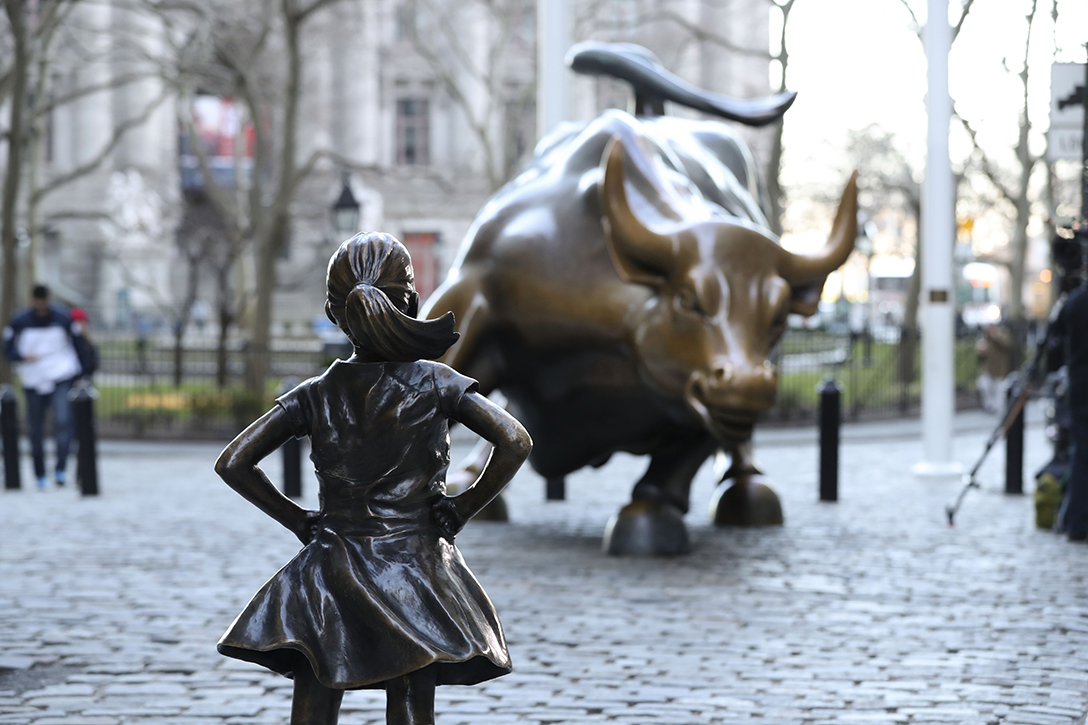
[313, 703]
[410, 699]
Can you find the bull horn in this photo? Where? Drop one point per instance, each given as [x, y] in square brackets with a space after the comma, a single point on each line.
[640, 254]
[800, 269]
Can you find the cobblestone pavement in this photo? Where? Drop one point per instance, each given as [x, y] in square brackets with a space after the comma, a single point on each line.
[871, 610]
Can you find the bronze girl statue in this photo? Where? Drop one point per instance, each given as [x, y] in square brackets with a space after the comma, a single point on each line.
[379, 597]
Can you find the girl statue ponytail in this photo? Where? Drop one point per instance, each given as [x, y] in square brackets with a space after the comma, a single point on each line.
[372, 298]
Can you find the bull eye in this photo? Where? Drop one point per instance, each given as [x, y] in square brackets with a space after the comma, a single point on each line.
[689, 300]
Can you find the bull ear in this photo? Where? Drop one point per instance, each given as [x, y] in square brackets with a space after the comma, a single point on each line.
[639, 254]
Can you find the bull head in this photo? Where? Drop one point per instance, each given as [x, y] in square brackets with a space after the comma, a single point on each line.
[722, 291]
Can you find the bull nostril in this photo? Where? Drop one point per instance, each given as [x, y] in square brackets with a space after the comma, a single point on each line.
[723, 374]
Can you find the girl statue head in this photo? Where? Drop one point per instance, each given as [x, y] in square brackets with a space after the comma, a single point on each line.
[372, 298]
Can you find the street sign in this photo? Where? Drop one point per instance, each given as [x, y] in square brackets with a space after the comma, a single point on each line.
[1064, 144]
[1067, 95]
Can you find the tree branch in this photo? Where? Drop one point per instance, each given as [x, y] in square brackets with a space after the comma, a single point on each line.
[702, 35]
[119, 132]
[964, 10]
[306, 12]
[216, 194]
[987, 166]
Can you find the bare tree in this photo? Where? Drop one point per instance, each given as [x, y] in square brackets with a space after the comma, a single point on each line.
[27, 84]
[18, 75]
[252, 52]
[479, 74]
[890, 193]
[1015, 187]
[1013, 181]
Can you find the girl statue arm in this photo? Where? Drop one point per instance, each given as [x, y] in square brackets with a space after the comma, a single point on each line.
[237, 466]
[511, 447]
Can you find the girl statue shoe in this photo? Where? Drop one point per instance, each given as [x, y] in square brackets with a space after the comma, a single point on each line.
[379, 597]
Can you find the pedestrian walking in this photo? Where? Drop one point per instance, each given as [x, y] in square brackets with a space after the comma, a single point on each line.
[994, 357]
[85, 347]
[379, 597]
[42, 342]
[1070, 327]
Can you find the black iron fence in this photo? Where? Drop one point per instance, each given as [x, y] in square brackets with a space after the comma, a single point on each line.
[150, 389]
[879, 375]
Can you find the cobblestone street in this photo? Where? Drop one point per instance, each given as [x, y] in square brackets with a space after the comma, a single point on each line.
[870, 610]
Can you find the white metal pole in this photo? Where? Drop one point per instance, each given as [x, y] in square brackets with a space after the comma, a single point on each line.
[553, 39]
[938, 228]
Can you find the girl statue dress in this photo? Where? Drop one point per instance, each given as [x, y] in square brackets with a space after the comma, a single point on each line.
[379, 597]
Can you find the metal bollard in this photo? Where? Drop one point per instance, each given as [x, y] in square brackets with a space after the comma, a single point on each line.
[82, 397]
[292, 454]
[1014, 445]
[830, 419]
[9, 434]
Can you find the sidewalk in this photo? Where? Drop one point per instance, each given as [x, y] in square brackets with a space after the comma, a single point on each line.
[868, 610]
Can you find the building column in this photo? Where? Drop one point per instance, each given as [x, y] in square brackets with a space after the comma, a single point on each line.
[938, 228]
[553, 41]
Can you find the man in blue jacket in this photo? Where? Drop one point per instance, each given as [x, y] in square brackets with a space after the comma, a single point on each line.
[40, 340]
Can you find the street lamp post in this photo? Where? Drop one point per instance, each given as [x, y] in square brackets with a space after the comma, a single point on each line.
[938, 223]
[345, 210]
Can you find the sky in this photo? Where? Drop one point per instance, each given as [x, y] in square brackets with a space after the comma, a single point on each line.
[856, 62]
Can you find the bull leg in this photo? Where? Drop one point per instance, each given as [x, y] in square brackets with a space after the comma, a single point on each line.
[653, 523]
[471, 311]
[743, 497]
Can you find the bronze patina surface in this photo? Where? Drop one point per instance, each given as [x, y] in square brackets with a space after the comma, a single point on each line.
[624, 292]
[379, 596]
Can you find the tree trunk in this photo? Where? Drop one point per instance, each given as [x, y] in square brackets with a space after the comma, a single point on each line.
[908, 340]
[258, 350]
[179, 336]
[1017, 319]
[192, 284]
[225, 319]
[16, 139]
[272, 234]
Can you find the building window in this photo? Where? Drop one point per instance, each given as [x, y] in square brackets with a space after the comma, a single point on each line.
[407, 20]
[413, 132]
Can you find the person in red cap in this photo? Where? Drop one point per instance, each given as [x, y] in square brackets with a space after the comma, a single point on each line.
[85, 349]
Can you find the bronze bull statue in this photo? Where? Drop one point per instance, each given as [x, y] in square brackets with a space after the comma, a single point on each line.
[624, 293]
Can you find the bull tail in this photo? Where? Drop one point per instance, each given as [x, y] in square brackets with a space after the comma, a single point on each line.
[653, 84]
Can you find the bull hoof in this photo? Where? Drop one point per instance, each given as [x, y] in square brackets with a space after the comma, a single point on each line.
[647, 528]
[747, 502]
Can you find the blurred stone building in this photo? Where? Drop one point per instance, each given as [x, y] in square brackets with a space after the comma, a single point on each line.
[423, 107]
